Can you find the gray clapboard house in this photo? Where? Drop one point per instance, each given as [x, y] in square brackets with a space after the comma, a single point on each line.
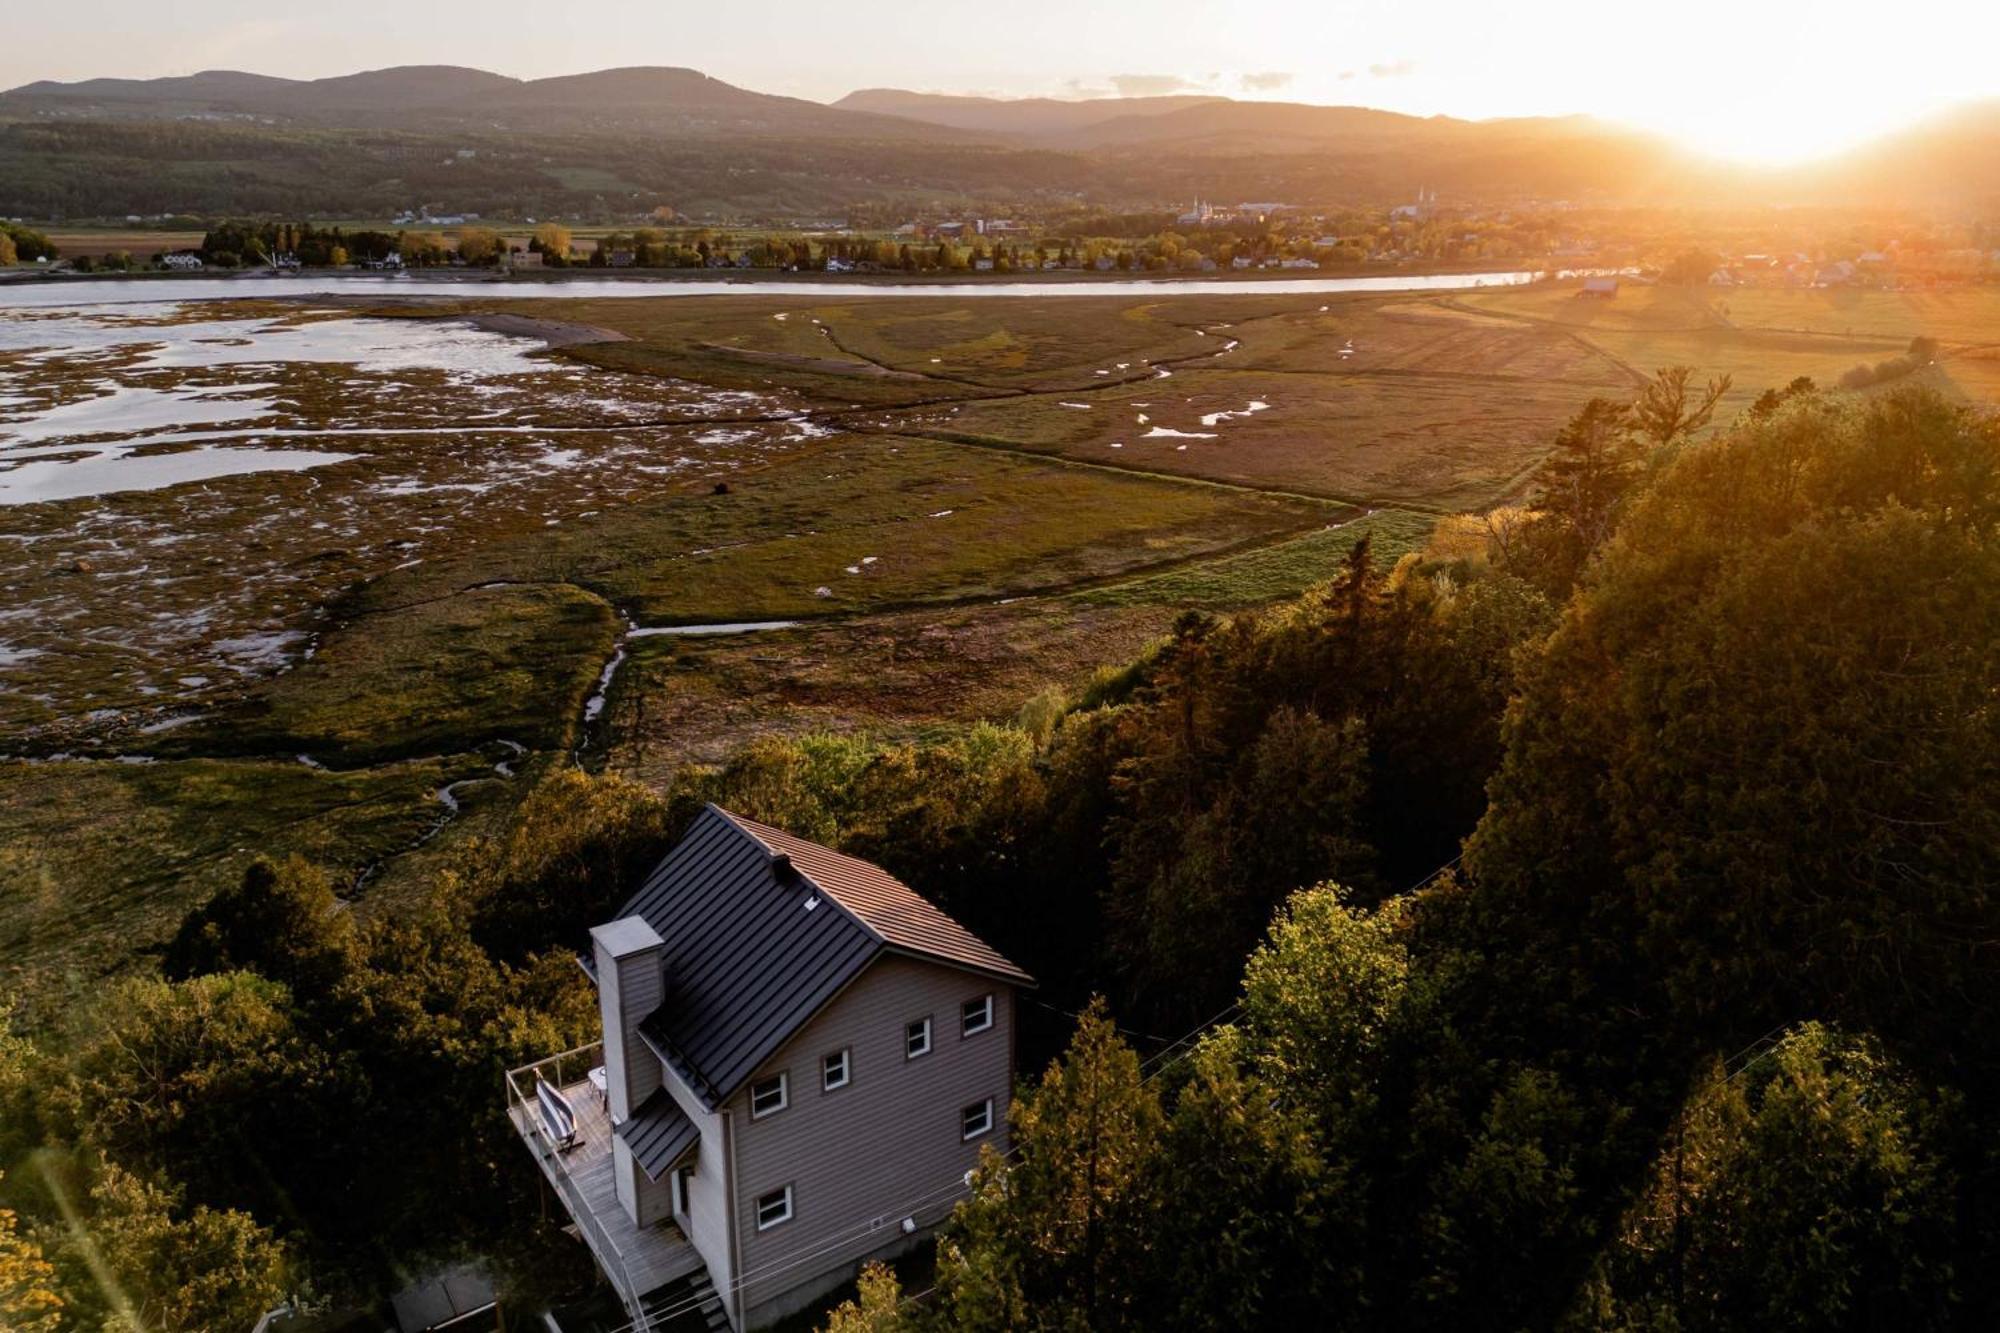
[801, 1061]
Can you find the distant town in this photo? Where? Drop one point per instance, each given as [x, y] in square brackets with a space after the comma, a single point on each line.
[1774, 248]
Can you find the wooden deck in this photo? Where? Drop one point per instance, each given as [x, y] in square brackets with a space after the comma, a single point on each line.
[638, 1260]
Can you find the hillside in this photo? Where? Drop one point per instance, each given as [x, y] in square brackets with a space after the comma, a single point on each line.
[1023, 117]
[618, 141]
[653, 98]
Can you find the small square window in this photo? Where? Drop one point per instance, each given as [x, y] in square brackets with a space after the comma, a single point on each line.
[769, 1096]
[975, 1015]
[774, 1208]
[917, 1039]
[976, 1120]
[836, 1070]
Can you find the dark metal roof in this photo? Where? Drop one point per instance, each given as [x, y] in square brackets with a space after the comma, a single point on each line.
[659, 1133]
[763, 929]
[898, 915]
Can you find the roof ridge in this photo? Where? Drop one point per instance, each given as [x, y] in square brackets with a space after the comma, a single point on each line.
[893, 914]
[749, 828]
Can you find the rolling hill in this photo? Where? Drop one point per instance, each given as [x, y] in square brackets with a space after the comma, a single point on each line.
[655, 99]
[1020, 118]
[617, 142]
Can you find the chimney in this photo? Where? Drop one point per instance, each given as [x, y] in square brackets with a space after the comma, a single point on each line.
[630, 985]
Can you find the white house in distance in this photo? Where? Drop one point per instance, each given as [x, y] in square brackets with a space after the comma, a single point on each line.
[801, 1061]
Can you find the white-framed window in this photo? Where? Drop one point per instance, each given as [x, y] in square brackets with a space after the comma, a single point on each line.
[836, 1069]
[769, 1096]
[917, 1038]
[976, 1120]
[774, 1209]
[975, 1016]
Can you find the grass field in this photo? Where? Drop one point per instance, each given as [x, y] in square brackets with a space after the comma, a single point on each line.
[99, 860]
[959, 501]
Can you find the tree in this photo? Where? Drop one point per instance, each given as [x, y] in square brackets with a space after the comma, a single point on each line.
[1807, 1190]
[576, 846]
[282, 922]
[28, 1299]
[210, 1082]
[876, 1309]
[1242, 1182]
[480, 246]
[1055, 1239]
[1579, 489]
[552, 242]
[1817, 593]
[1665, 412]
[180, 1271]
[420, 249]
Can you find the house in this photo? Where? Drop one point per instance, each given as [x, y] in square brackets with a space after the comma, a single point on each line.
[1598, 289]
[187, 263]
[802, 1061]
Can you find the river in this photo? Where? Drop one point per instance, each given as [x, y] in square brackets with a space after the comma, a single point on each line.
[72, 293]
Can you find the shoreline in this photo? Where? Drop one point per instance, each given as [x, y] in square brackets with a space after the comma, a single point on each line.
[757, 277]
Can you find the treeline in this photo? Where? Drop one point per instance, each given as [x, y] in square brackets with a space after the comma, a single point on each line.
[230, 244]
[1691, 1039]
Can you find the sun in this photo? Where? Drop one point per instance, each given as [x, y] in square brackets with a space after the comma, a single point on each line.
[1777, 129]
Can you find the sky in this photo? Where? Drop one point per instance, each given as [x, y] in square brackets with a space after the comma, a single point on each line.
[1761, 80]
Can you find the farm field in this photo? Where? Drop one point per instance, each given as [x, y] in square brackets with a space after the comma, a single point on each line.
[395, 563]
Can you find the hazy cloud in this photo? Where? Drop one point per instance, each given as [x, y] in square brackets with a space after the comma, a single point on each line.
[1265, 82]
[1151, 85]
[1394, 69]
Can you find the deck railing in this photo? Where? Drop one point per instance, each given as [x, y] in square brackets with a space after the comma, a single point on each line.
[566, 1071]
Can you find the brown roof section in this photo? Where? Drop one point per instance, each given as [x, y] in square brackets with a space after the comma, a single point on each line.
[901, 917]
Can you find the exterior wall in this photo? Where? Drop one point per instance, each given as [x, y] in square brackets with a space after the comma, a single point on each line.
[885, 1147]
[629, 987]
[708, 1221]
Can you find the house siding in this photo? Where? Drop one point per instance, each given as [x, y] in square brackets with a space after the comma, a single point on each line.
[630, 987]
[859, 1158]
[708, 1221]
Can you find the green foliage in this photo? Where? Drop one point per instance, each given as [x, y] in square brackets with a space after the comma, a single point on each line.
[572, 853]
[28, 1299]
[26, 244]
[152, 1266]
[282, 922]
[208, 1081]
[1057, 1238]
[1795, 629]
[877, 1309]
[1809, 1190]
